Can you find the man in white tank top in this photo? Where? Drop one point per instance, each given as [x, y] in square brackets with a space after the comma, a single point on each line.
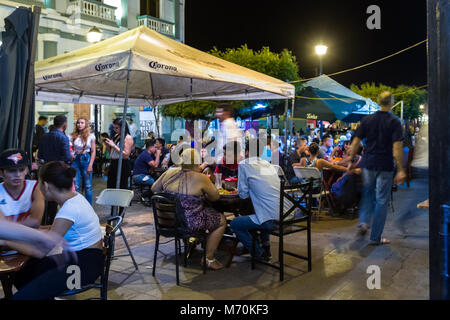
[20, 199]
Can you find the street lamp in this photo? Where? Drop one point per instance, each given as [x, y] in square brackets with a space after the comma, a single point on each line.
[94, 35]
[422, 107]
[321, 50]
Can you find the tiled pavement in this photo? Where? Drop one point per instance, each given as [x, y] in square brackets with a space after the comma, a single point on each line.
[339, 267]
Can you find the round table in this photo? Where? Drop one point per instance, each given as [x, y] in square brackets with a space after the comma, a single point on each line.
[233, 203]
[9, 265]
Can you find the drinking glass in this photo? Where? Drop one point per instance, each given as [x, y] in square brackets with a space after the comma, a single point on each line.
[218, 180]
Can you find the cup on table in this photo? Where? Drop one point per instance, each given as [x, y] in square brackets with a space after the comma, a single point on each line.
[218, 180]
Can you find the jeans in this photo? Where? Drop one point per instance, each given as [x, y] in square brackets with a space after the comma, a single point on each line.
[143, 179]
[82, 179]
[375, 199]
[46, 278]
[241, 226]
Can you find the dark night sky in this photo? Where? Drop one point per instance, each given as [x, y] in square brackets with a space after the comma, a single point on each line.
[299, 25]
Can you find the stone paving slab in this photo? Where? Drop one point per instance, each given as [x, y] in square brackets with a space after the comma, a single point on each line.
[339, 266]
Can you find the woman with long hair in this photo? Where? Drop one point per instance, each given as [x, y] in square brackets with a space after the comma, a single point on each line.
[78, 223]
[113, 147]
[84, 149]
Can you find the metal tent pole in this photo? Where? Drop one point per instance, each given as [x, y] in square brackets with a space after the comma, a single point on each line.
[285, 126]
[292, 118]
[122, 130]
[122, 134]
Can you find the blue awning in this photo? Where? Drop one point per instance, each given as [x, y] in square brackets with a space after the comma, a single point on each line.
[325, 99]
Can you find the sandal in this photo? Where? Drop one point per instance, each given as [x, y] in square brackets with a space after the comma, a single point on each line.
[212, 264]
[381, 242]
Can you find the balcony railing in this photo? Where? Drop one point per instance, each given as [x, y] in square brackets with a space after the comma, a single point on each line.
[161, 26]
[92, 8]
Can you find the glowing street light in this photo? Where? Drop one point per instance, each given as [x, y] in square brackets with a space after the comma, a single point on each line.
[94, 35]
[422, 107]
[321, 50]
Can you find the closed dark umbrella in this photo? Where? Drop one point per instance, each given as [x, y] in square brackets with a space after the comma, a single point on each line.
[14, 55]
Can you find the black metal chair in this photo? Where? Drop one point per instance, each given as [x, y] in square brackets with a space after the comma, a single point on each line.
[289, 222]
[170, 223]
[113, 224]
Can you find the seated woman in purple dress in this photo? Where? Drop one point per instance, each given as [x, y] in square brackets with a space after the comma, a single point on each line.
[193, 189]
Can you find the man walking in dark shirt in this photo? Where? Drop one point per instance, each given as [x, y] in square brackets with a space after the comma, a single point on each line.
[54, 146]
[384, 136]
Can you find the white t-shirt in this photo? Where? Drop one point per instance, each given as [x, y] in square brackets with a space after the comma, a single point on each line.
[85, 230]
[79, 144]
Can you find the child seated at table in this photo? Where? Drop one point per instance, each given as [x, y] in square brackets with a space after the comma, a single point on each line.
[77, 221]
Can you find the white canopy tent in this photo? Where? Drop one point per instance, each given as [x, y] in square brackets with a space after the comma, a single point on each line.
[143, 67]
[162, 71]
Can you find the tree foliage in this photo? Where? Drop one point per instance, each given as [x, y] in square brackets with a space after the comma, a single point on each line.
[411, 96]
[190, 110]
[282, 66]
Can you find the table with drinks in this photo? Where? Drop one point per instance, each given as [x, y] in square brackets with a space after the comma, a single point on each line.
[229, 198]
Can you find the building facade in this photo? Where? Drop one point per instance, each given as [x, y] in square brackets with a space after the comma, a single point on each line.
[63, 27]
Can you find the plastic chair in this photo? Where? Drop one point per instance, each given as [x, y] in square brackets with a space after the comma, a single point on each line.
[108, 248]
[120, 198]
[311, 173]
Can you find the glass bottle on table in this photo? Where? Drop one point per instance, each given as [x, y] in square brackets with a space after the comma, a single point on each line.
[218, 180]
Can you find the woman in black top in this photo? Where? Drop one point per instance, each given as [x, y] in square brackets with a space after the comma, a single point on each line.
[113, 147]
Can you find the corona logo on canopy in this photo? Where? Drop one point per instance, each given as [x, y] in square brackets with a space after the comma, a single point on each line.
[156, 65]
[105, 66]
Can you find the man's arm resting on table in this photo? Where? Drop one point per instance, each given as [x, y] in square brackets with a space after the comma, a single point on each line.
[30, 241]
